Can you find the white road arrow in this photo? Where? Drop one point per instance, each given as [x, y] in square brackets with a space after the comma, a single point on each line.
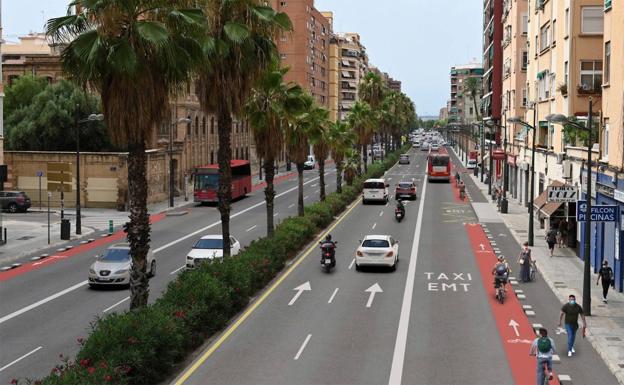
[515, 325]
[482, 246]
[502, 235]
[372, 290]
[300, 289]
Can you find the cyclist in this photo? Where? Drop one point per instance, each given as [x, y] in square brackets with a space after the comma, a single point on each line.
[501, 272]
[543, 347]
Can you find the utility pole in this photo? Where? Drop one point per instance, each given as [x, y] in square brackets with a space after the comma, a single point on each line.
[78, 213]
[586, 256]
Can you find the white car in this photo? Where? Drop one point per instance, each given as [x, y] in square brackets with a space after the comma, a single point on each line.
[472, 163]
[209, 248]
[375, 190]
[435, 146]
[113, 267]
[309, 164]
[377, 250]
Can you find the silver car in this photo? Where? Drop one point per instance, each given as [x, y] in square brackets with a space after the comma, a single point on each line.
[113, 267]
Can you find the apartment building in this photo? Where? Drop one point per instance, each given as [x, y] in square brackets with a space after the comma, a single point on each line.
[394, 84]
[306, 49]
[1, 95]
[348, 65]
[462, 109]
[514, 88]
[492, 59]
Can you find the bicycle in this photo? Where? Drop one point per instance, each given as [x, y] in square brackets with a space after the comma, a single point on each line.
[547, 374]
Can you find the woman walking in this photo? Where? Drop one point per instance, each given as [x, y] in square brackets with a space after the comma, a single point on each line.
[524, 260]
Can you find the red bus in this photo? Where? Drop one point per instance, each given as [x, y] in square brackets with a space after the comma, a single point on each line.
[439, 167]
[207, 181]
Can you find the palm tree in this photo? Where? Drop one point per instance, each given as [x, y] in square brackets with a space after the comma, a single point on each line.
[473, 88]
[268, 109]
[363, 120]
[320, 122]
[134, 53]
[239, 48]
[341, 140]
[372, 90]
[299, 133]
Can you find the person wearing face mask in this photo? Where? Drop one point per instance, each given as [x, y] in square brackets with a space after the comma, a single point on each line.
[524, 260]
[571, 312]
[606, 276]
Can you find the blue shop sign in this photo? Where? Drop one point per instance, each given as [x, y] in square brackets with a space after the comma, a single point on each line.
[600, 213]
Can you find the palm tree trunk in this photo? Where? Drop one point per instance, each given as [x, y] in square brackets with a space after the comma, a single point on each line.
[372, 143]
[224, 155]
[339, 177]
[301, 207]
[139, 228]
[322, 179]
[365, 156]
[359, 165]
[269, 193]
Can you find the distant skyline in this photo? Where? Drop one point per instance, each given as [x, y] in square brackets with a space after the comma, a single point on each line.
[414, 41]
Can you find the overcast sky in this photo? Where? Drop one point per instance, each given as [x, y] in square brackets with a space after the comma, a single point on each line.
[415, 41]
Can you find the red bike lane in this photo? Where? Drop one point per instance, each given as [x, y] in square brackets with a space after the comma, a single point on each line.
[515, 329]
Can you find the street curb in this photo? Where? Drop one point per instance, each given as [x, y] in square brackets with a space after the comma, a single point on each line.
[176, 213]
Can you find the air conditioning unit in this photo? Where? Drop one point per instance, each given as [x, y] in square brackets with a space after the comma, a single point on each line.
[560, 157]
[567, 169]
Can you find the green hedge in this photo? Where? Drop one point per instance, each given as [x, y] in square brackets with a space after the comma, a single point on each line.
[144, 346]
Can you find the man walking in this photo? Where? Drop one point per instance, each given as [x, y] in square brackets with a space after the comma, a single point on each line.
[543, 347]
[551, 239]
[606, 276]
[571, 312]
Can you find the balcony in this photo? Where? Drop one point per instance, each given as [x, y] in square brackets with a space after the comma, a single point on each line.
[585, 89]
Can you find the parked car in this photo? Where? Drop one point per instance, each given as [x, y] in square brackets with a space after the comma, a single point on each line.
[113, 267]
[405, 189]
[209, 248]
[404, 159]
[377, 250]
[309, 164]
[14, 201]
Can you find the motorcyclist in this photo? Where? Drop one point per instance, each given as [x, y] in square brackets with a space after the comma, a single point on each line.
[462, 189]
[400, 206]
[328, 244]
[501, 272]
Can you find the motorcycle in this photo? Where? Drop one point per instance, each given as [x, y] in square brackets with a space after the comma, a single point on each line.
[399, 214]
[328, 258]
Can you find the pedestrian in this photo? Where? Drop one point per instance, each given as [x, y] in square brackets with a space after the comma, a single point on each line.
[571, 312]
[524, 260]
[551, 239]
[606, 276]
[563, 228]
[543, 347]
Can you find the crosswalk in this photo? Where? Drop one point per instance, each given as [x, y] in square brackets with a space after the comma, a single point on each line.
[101, 222]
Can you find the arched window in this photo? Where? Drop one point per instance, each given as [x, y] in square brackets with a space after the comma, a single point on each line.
[189, 126]
[212, 125]
[204, 125]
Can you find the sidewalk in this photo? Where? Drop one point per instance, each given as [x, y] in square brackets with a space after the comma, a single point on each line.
[564, 275]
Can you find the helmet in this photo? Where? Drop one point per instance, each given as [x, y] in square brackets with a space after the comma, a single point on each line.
[328, 238]
[501, 258]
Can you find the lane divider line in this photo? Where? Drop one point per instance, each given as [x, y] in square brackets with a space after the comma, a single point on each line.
[331, 299]
[351, 264]
[303, 346]
[187, 373]
[21, 358]
[178, 269]
[115, 305]
[251, 228]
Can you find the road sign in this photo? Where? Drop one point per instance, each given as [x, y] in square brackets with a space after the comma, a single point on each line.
[59, 177]
[562, 194]
[58, 186]
[39, 173]
[600, 213]
[59, 167]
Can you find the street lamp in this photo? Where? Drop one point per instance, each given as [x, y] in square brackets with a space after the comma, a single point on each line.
[171, 184]
[514, 120]
[563, 120]
[90, 118]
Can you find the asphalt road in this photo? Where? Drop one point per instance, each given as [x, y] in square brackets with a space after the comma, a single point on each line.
[44, 311]
[434, 322]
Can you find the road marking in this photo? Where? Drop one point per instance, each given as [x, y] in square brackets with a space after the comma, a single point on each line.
[372, 290]
[251, 228]
[331, 299]
[300, 289]
[168, 245]
[42, 302]
[291, 206]
[381, 213]
[118, 303]
[398, 358]
[514, 325]
[186, 374]
[374, 225]
[305, 343]
[276, 214]
[317, 191]
[21, 358]
[306, 197]
[176, 270]
[351, 264]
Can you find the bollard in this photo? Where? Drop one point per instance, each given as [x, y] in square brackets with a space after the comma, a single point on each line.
[110, 226]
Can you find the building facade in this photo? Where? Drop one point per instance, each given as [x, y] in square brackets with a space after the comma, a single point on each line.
[462, 107]
[306, 49]
[492, 59]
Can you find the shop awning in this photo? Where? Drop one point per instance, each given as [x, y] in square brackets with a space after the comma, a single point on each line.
[541, 202]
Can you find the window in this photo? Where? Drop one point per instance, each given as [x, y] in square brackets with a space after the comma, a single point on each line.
[567, 22]
[554, 33]
[544, 38]
[189, 126]
[591, 75]
[605, 139]
[204, 125]
[566, 73]
[592, 20]
[525, 24]
[282, 56]
[212, 125]
[282, 3]
[525, 60]
[607, 62]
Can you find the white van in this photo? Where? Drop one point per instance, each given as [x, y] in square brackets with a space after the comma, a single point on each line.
[375, 190]
[310, 163]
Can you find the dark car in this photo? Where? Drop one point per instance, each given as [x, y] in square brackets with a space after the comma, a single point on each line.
[14, 201]
[404, 159]
[405, 189]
